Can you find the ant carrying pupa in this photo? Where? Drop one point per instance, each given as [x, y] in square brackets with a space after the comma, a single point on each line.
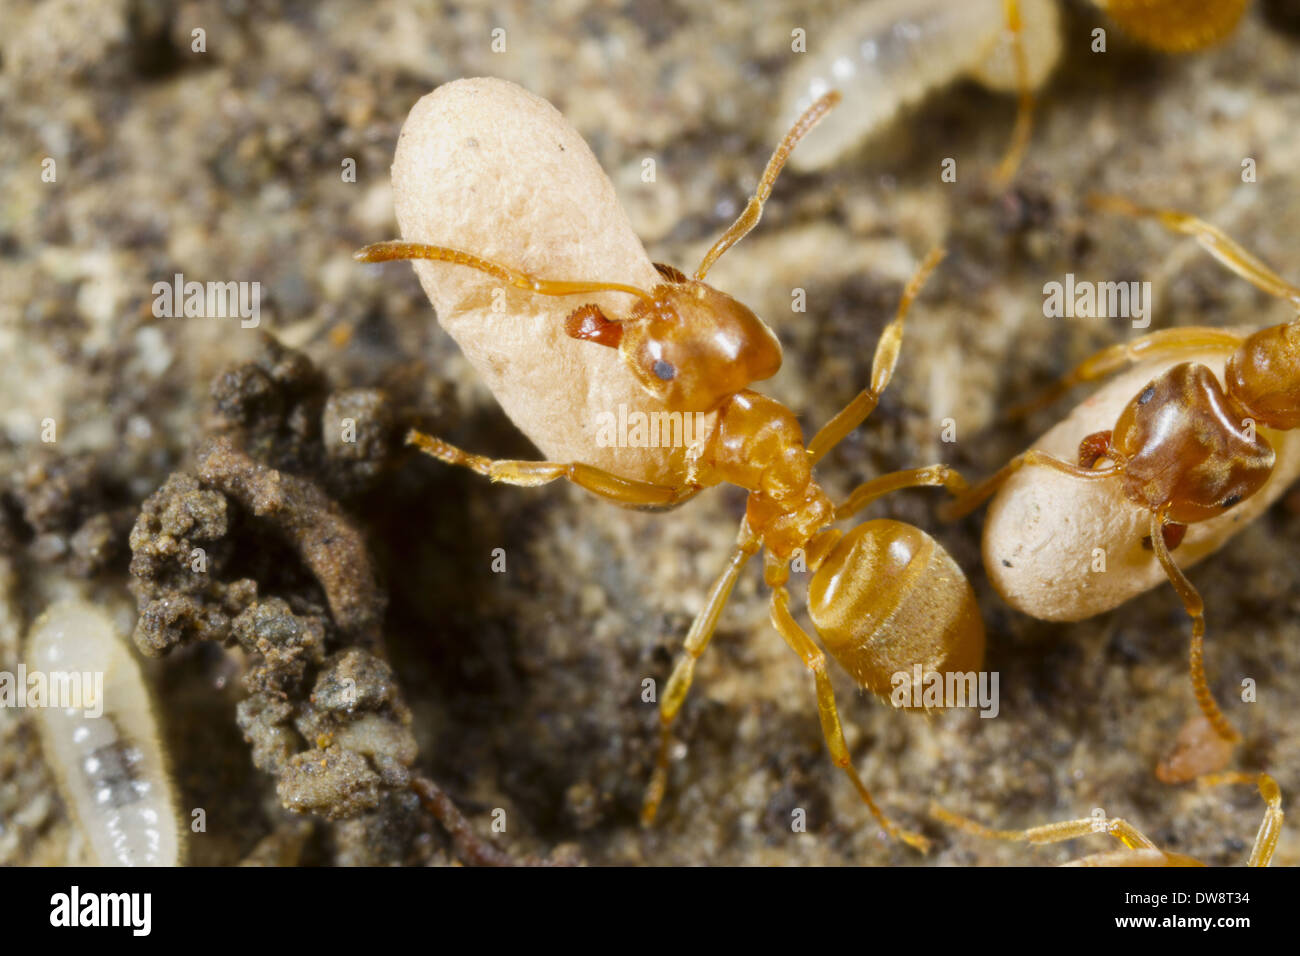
[1172, 458]
[884, 596]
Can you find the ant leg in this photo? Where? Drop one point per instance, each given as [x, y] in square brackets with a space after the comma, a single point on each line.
[1196, 610]
[392, 250]
[968, 501]
[753, 210]
[867, 492]
[1270, 828]
[882, 367]
[697, 640]
[530, 474]
[1155, 345]
[1024, 108]
[815, 660]
[1217, 243]
[1117, 827]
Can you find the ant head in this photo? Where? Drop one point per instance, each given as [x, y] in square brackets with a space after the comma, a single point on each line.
[1186, 449]
[1263, 376]
[688, 344]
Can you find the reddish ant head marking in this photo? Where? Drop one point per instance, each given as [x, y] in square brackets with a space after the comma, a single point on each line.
[1184, 447]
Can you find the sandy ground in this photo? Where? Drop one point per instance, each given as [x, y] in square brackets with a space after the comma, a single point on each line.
[522, 689]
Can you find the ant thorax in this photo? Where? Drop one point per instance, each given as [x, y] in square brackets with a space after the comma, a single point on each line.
[758, 445]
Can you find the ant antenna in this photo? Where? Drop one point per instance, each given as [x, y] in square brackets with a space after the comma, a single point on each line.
[754, 208]
[393, 250]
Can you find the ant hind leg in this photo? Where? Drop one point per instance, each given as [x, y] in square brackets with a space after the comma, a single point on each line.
[1216, 242]
[1117, 827]
[697, 641]
[1270, 828]
[815, 660]
[1024, 127]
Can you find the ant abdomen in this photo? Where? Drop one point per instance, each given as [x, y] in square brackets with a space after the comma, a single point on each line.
[1186, 449]
[889, 597]
[1176, 26]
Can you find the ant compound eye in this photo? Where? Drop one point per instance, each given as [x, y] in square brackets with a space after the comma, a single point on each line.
[1231, 500]
[1147, 394]
[665, 370]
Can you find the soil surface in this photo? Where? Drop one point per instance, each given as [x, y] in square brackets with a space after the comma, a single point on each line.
[349, 632]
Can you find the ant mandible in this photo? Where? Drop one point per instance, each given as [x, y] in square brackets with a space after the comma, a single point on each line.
[1187, 447]
[883, 596]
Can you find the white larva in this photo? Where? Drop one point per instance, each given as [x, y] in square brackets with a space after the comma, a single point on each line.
[887, 54]
[1047, 533]
[110, 768]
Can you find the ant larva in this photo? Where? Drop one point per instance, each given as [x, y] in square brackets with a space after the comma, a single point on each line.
[884, 596]
[1139, 849]
[1193, 456]
[104, 748]
[887, 54]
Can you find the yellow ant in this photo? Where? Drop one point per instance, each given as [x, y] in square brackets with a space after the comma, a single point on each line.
[1139, 849]
[884, 596]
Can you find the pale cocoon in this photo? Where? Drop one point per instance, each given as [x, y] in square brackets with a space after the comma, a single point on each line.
[1046, 532]
[486, 167]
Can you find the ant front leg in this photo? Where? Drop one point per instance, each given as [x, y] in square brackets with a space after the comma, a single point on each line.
[815, 660]
[969, 500]
[530, 474]
[882, 367]
[697, 640]
[1196, 611]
